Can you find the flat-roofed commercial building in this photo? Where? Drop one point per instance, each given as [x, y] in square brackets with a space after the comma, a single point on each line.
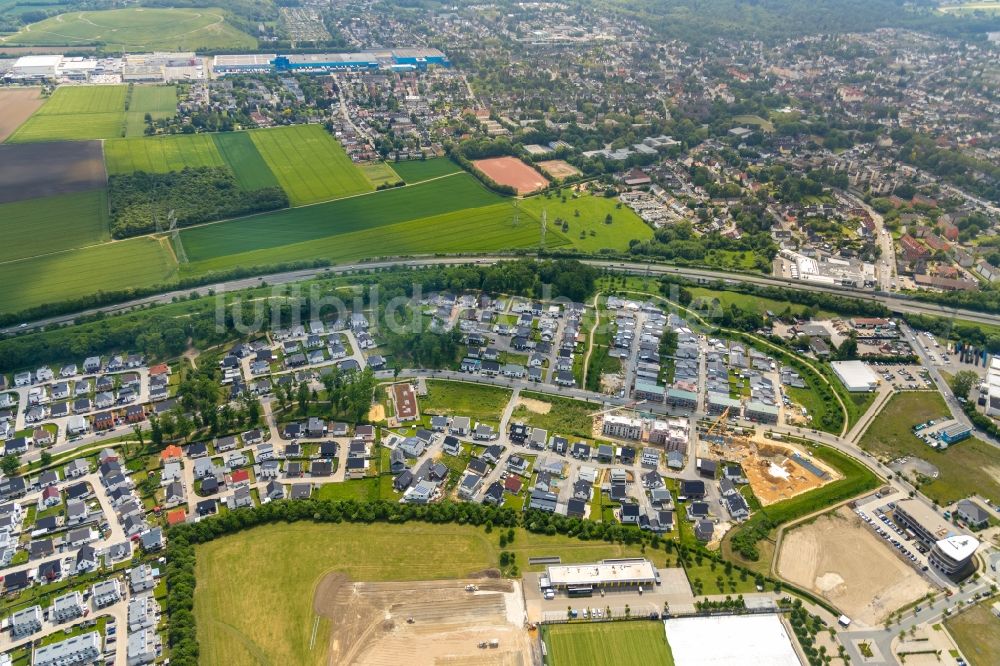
[243, 63]
[855, 375]
[952, 556]
[950, 551]
[585, 578]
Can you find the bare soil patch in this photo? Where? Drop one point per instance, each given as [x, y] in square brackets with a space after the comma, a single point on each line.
[513, 172]
[35, 170]
[773, 474]
[376, 413]
[16, 106]
[837, 557]
[423, 622]
[536, 406]
[559, 169]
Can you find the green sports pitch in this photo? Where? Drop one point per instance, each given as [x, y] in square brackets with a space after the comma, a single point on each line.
[607, 644]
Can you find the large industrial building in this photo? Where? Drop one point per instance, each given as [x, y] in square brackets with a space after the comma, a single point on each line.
[243, 63]
[855, 375]
[580, 579]
[992, 388]
[403, 59]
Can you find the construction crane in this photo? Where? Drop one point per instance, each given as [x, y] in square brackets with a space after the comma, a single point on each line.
[627, 405]
[718, 423]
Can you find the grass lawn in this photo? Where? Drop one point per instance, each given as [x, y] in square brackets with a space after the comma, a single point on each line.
[138, 29]
[241, 154]
[975, 631]
[971, 466]
[567, 417]
[74, 273]
[607, 644]
[65, 221]
[731, 584]
[588, 232]
[309, 163]
[160, 154]
[362, 490]
[379, 173]
[757, 121]
[271, 620]
[415, 171]
[477, 401]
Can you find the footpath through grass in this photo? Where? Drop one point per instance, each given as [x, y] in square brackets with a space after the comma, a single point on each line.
[415, 171]
[253, 609]
[970, 466]
[607, 644]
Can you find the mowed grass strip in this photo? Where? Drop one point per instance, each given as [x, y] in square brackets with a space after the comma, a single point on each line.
[309, 163]
[139, 262]
[607, 644]
[240, 153]
[477, 230]
[415, 171]
[388, 207]
[38, 226]
[379, 173]
[271, 620]
[160, 154]
[970, 466]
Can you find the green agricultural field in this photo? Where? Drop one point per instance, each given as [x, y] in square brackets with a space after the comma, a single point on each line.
[476, 230]
[588, 231]
[271, 620]
[140, 262]
[971, 466]
[355, 214]
[607, 644]
[40, 226]
[477, 401]
[76, 113]
[309, 163]
[160, 154]
[566, 416]
[158, 101]
[137, 29]
[240, 153]
[415, 171]
[379, 173]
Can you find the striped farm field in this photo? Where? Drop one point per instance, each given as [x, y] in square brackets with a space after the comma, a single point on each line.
[415, 171]
[309, 163]
[139, 262]
[296, 225]
[240, 153]
[160, 154]
[63, 221]
[158, 101]
[607, 644]
[379, 173]
[76, 113]
[472, 230]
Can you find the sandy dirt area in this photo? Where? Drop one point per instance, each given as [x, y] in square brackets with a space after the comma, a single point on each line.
[428, 623]
[536, 406]
[559, 169]
[513, 172]
[837, 557]
[16, 106]
[376, 413]
[773, 474]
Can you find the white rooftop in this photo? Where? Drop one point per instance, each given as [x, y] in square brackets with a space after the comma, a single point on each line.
[958, 548]
[854, 374]
[38, 61]
[609, 571]
[747, 640]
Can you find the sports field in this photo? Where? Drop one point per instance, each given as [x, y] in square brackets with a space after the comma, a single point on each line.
[607, 644]
[512, 172]
[160, 154]
[38, 226]
[309, 163]
[250, 612]
[388, 207]
[137, 29]
[138, 262]
[158, 101]
[415, 171]
[76, 112]
[585, 220]
[239, 152]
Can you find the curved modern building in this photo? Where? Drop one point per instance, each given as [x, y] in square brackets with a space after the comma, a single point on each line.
[948, 550]
[952, 556]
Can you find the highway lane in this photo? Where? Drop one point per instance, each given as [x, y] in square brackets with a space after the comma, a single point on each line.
[896, 304]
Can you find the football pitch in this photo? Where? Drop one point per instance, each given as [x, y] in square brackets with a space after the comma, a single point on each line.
[607, 644]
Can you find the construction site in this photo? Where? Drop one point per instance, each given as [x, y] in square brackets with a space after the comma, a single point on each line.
[432, 623]
[775, 470]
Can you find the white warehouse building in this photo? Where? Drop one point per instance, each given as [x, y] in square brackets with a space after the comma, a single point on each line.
[855, 375]
[36, 66]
